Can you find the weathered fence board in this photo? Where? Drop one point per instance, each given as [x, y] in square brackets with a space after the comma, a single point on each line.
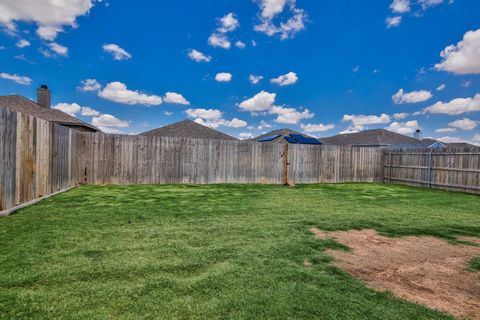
[450, 169]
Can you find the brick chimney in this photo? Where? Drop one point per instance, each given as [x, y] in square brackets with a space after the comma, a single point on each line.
[418, 134]
[44, 97]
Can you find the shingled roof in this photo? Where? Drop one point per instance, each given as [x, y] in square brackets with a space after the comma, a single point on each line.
[188, 129]
[375, 137]
[23, 105]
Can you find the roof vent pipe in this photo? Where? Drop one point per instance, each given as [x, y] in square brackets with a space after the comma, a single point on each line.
[418, 134]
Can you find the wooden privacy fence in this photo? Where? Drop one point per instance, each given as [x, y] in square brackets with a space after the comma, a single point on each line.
[119, 159]
[455, 169]
[38, 158]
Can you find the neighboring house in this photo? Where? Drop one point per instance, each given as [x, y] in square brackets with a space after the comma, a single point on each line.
[381, 138]
[421, 144]
[188, 129]
[376, 138]
[286, 136]
[42, 110]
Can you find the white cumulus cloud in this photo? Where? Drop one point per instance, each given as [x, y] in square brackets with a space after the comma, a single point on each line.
[400, 6]
[198, 56]
[290, 115]
[263, 125]
[399, 116]
[445, 130]
[219, 40]
[456, 106]
[245, 135]
[404, 127]
[464, 124]
[270, 9]
[464, 57]
[287, 29]
[254, 79]
[393, 21]
[206, 114]
[234, 123]
[402, 97]
[22, 43]
[286, 79]
[240, 44]
[108, 120]
[116, 51]
[262, 101]
[223, 77]
[55, 49]
[89, 112]
[118, 92]
[361, 120]
[441, 87]
[213, 118]
[175, 98]
[24, 80]
[313, 128]
[69, 108]
[51, 16]
[89, 85]
[429, 3]
[228, 23]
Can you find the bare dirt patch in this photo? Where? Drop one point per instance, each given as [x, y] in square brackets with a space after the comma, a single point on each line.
[423, 270]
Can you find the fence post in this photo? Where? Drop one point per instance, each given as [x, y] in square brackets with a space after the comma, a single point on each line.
[390, 168]
[429, 182]
[285, 164]
[478, 171]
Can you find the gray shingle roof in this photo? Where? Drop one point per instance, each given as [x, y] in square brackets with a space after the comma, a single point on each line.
[375, 137]
[461, 145]
[24, 105]
[188, 129]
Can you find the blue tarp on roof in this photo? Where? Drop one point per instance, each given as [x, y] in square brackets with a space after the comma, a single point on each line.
[298, 138]
[269, 138]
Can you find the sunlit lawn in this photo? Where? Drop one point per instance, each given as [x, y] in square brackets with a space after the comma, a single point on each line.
[211, 252]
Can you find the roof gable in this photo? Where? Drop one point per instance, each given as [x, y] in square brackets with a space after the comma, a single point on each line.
[376, 137]
[188, 129]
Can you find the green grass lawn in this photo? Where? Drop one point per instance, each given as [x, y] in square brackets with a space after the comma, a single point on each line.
[211, 252]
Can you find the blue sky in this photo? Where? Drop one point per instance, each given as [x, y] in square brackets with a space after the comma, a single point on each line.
[325, 66]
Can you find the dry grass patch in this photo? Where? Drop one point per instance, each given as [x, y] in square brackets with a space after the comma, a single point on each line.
[424, 270]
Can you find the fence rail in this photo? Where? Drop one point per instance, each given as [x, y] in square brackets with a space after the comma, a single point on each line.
[454, 169]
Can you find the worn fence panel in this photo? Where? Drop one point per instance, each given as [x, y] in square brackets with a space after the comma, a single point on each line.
[37, 158]
[117, 159]
[332, 164]
[450, 169]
